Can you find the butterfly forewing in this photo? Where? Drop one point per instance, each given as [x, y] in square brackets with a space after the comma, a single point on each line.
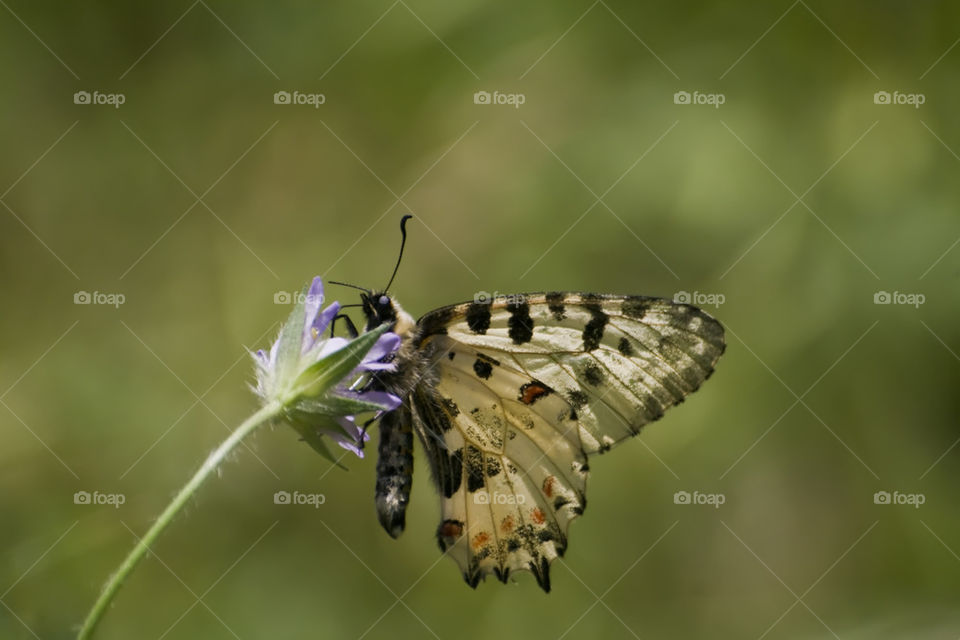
[523, 391]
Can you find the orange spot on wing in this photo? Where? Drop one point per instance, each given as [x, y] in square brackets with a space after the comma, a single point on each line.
[548, 483]
[537, 516]
[480, 539]
[451, 529]
[506, 525]
[533, 390]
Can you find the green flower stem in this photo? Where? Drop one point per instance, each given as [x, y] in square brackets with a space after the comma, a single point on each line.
[265, 415]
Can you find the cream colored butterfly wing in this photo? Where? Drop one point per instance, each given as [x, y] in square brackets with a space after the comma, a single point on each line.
[521, 392]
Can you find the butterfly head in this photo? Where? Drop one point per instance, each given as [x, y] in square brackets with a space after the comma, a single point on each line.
[380, 308]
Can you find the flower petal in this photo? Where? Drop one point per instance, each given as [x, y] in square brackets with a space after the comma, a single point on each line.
[388, 401]
[312, 315]
[322, 321]
[313, 301]
[330, 346]
[387, 343]
[352, 442]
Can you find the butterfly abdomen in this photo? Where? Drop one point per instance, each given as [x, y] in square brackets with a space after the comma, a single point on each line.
[394, 470]
[395, 451]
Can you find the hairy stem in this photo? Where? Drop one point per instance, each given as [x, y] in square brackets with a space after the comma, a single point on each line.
[261, 417]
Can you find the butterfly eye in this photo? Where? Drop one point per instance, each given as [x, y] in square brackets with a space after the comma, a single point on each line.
[383, 301]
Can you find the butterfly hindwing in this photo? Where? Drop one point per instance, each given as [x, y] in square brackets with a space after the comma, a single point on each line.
[523, 391]
[510, 481]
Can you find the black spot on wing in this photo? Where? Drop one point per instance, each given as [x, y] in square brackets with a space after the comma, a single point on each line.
[474, 467]
[450, 473]
[710, 328]
[593, 331]
[493, 361]
[547, 535]
[478, 317]
[541, 570]
[472, 579]
[577, 398]
[482, 368]
[625, 347]
[520, 324]
[635, 306]
[593, 374]
[555, 304]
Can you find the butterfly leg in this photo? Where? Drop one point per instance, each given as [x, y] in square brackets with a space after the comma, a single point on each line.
[351, 328]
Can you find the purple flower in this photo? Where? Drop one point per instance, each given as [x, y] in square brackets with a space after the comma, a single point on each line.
[319, 381]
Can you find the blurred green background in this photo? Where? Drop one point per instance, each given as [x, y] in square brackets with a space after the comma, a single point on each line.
[797, 200]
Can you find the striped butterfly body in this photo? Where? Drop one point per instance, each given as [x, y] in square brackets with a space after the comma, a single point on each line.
[510, 398]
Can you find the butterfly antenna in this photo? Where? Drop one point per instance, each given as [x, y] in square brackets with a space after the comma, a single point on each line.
[403, 241]
[352, 286]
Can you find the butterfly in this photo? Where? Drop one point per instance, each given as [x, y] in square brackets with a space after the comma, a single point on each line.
[510, 397]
